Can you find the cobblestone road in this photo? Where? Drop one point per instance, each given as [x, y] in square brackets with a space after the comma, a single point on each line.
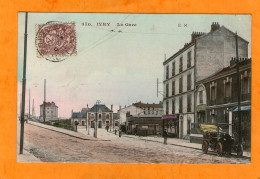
[51, 146]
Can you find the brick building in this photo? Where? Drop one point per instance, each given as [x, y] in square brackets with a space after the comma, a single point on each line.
[102, 114]
[204, 55]
[217, 99]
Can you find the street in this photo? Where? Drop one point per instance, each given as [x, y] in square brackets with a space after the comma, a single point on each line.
[51, 146]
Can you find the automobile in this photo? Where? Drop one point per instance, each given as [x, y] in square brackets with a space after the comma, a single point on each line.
[219, 141]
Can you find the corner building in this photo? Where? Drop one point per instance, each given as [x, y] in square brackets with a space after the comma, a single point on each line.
[204, 55]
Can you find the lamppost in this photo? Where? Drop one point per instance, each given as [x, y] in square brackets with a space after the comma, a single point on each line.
[95, 130]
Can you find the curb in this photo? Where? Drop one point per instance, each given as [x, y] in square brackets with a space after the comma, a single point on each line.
[67, 133]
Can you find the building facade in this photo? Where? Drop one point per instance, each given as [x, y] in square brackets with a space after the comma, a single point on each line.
[204, 55]
[141, 116]
[80, 117]
[101, 114]
[51, 111]
[217, 99]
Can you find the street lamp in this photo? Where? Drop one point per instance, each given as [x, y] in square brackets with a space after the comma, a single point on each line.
[95, 130]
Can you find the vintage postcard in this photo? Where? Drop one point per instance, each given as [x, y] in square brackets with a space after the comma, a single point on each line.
[134, 88]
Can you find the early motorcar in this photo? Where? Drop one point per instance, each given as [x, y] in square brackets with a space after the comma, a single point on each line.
[218, 141]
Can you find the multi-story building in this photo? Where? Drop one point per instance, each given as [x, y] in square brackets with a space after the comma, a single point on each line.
[102, 114]
[205, 54]
[139, 115]
[217, 99]
[51, 111]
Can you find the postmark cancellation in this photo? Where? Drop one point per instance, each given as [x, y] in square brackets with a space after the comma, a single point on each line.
[54, 41]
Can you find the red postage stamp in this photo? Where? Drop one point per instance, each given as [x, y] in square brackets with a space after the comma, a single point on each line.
[54, 40]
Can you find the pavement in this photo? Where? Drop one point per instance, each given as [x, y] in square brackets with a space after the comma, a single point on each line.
[103, 135]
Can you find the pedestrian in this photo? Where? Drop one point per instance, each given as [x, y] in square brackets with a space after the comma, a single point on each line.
[120, 133]
[165, 136]
[115, 131]
[107, 128]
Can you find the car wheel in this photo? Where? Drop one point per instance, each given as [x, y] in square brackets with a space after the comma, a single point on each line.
[219, 149]
[205, 147]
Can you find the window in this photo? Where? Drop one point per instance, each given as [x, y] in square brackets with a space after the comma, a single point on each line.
[180, 104]
[189, 82]
[213, 92]
[173, 68]
[173, 106]
[201, 97]
[92, 116]
[167, 90]
[167, 107]
[173, 87]
[180, 85]
[189, 60]
[167, 72]
[181, 63]
[99, 116]
[107, 116]
[245, 85]
[227, 89]
[189, 103]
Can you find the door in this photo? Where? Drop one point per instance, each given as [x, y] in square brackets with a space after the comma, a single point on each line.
[92, 124]
[99, 124]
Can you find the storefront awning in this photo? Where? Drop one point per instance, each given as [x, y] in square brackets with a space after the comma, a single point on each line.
[243, 108]
[170, 116]
[201, 108]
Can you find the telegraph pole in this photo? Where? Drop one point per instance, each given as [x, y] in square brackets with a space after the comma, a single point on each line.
[44, 101]
[29, 104]
[238, 96]
[24, 85]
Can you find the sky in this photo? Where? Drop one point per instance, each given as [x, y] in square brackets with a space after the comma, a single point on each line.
[119, 67]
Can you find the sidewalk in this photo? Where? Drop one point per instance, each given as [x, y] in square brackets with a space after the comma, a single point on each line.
[26, 156]
[176, 142]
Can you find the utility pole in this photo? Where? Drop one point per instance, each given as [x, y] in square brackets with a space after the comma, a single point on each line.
[24, 86]
[29, 104]
[33, 112]
[44, 113]
[238, 96]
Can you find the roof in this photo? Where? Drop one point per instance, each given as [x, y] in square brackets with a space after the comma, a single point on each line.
[143, 105]
[242, 63]
[100, 107]
[188, 45]
[78, 115]
[49, 104]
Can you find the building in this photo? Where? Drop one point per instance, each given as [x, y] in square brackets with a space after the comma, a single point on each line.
[51, 111]
[80, 117]
[217, 99]
[102, 114]
[204, 55]
[141, 116]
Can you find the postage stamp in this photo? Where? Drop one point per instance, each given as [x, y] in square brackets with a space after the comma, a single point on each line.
[54, 41]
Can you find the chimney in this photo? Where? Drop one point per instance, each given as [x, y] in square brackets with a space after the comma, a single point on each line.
[111, 107]
[87, 106]
[214, 26]
[195, 35]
